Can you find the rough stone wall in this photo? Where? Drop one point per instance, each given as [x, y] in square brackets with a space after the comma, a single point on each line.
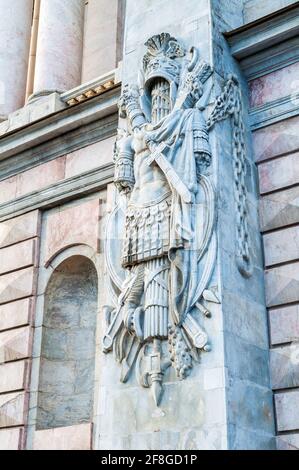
[65, 390]
[276, 153]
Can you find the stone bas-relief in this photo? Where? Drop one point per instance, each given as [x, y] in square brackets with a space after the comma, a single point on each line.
[160, 272]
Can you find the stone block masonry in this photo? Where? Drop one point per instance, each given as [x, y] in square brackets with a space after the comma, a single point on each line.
[276, 153]
[19, 255]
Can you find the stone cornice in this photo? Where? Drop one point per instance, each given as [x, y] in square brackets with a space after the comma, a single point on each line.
[92, 88]
[59, 133]
[268, 43]
[274, 111]
[60, 192]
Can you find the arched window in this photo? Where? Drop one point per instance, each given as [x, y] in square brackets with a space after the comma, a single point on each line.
[66, 377]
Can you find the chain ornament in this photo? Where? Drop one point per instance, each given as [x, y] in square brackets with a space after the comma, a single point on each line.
[229, 104]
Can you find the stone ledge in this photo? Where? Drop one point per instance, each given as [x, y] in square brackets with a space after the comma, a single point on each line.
[62, 191]
[58, 124]
[264, 32]
[45, 106]
[92, 88]
[274, 111]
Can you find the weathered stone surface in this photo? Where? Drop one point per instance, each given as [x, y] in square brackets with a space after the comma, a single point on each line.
[246, 361]
[249, 403]
[245, 439]
[250, 326]
[18, 284]
[279, 209]
[37, 110]
[8, 189]
[12, 407]
[59, 45]
[32, 180]
[15, 27]
[122, 418]
[93, 156]
[281, 246]
[274, 85]
[284, 324]
[284, 363]
[66, 374]
[15, 314]
[15, 344]
[282, 284]
[77, 437]
[19, 228]
[288, 442]
[254, 9]
[203, 438]
[10, 438]
[277, 139]
[20, 255]
[13, 376]
[77, 224]
[279, 173]
[287, 410]
[40, 176]
[101, 36]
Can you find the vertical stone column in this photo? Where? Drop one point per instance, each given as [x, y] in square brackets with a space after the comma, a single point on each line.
[15, 26]
[226, 402]
[102, 37]
[59, 46]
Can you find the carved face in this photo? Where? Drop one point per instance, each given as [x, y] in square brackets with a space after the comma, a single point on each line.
[160, 99]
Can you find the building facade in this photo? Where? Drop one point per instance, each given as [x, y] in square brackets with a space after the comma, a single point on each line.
[149, 240]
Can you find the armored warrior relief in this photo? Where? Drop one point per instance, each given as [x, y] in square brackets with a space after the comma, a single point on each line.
[168, 253]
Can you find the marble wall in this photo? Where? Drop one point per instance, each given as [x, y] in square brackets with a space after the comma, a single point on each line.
[19, 249]
[276, 152]
[227, 400]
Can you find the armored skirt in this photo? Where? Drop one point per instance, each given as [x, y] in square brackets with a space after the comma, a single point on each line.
[145, 249]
